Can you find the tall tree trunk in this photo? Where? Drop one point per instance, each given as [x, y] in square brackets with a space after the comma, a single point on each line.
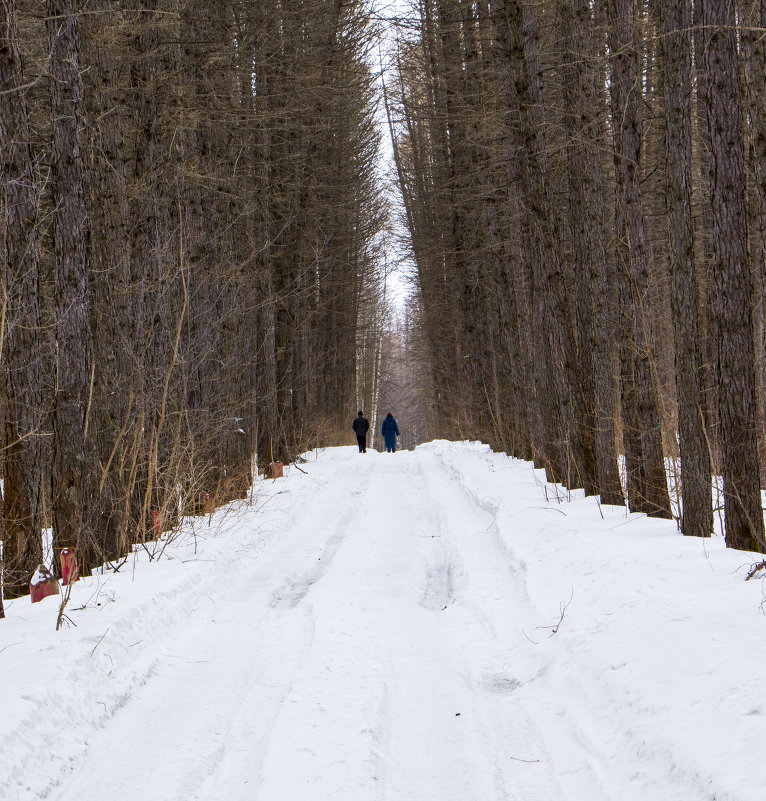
[71, 470]
[517, 49]
[697, 514]
[753, 52]
[703, 234]
[595, 321]
[105, 107]
[22, 355]
[733, 308]
[646, 466]
[147, 197]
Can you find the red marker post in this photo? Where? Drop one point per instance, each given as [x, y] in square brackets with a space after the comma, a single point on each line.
[42, 584]
[69, 569]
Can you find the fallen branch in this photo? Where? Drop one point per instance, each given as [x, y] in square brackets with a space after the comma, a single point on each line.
[99, 642]
[116, 569]
[552, 509]
[755, 569]
[563, 607]
[553, 629]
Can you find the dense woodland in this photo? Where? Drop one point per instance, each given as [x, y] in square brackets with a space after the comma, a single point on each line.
[191, 227]
[194, 240]
[584, 190]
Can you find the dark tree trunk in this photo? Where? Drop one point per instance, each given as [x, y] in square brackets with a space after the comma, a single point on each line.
[703, 235]
[752, 15]
[646, 465]
[595, 291]
[517, 54]
[733, 308]
[697, 515]
[148, 197]
[105, 108]
[71, 469]
[23, 362]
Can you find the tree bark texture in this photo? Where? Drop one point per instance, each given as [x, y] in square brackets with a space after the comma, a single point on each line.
[71, 467]
[647, 466]
[585, 104]
[733, 309]
[697, 513]
[22, 352]
[517, 55]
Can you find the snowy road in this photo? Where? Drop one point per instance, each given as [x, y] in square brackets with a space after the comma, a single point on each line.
[389, 635]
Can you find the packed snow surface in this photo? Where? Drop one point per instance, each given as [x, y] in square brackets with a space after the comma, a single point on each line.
[435, 625]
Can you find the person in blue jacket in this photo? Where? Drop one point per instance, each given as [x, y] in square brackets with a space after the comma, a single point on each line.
[390, 432]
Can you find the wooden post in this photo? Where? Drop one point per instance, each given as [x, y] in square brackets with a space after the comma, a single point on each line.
[209, 504]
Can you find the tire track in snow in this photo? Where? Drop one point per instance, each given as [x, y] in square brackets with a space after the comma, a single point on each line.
[487, 649]
[439, 590]
[325, 743]
[440, 570]
[553, 724]
[295, 587]
[199, 729]
[201, 726]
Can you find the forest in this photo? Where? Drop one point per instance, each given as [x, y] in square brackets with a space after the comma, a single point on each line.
[583, 186]
[191, 227]
[197, 228]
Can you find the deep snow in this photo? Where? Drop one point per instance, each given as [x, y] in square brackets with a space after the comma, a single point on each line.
[428, 625]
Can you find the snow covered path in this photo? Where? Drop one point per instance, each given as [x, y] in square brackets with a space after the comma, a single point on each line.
[382, 628]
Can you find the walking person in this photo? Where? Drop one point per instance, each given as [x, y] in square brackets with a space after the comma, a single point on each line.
[361, 426]
[390, 432]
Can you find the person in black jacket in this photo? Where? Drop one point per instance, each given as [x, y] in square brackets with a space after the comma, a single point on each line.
[361, 426]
